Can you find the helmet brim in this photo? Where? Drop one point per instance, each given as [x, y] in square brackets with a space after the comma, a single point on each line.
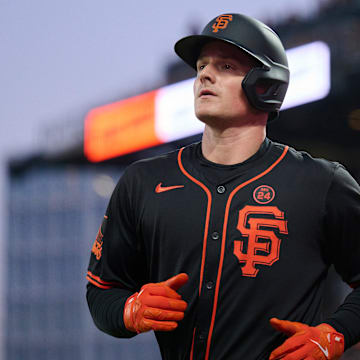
[189, 48]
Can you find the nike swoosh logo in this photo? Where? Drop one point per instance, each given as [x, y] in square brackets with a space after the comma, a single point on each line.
[159, 188]
[325, 351]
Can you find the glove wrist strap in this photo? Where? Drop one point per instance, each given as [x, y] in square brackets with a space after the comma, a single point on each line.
[335, 340]
[129, 313]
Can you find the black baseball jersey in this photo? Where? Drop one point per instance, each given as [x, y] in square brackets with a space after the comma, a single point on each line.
[256, 240]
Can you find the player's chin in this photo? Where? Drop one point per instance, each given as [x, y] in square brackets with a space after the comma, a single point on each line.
[215, 119]
[207, 119]
[206, 115]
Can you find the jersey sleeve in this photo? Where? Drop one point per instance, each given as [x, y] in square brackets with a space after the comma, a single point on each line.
[342, 221]
[117, 258]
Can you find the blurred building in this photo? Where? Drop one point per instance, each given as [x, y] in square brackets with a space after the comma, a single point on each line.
[54, 216]
[57, 199]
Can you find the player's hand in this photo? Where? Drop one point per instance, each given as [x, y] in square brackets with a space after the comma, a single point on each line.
[156, 307]
[321, 342]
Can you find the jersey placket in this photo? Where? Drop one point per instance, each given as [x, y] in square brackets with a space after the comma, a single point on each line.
[219, 202]
[206, 303]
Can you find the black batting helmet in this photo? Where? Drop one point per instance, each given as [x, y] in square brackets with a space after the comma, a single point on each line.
[258, 41]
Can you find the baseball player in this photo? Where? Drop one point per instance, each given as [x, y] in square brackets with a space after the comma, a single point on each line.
[222, 247]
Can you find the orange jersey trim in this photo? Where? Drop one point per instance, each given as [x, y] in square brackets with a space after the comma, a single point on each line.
[95, 280]
[192, 344]
[207, 220]
[227, 209]
[208, 193]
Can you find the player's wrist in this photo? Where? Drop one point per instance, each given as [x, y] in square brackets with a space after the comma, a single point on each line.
[328, 328]
[334, 338]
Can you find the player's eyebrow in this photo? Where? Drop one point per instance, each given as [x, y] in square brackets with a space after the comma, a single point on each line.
[241, 60]
[221, 57]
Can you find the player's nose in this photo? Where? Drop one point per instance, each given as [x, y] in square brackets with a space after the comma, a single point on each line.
[207, 74]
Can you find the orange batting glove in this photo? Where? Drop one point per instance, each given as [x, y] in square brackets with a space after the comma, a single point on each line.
[321, 342]
[156, 307]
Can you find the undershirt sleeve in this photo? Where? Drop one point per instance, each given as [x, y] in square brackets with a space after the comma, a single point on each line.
[117, 266]
[346, 318]
[107, 308]
[341, 224]
[342, 219]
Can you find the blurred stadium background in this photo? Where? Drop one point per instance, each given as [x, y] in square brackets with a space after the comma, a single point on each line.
[59, 62]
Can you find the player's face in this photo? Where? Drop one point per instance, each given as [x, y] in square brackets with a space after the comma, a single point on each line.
[219, 96]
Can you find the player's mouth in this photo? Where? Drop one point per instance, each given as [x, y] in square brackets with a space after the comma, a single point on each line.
[206, 92]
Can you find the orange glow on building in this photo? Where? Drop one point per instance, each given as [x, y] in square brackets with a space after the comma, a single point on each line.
[120, 128]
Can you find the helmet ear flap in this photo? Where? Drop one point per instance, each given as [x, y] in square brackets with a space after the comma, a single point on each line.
[265, 87]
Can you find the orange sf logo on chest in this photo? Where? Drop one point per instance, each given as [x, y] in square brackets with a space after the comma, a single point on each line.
[221, 22]
[263, 246]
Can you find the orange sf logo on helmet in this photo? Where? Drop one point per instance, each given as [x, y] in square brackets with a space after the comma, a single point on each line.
[221, 22]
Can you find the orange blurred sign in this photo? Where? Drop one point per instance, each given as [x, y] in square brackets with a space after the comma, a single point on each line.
[120, 128]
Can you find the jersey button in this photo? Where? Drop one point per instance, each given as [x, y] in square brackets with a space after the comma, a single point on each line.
[209, 285]
[220, 189]
[215, 235]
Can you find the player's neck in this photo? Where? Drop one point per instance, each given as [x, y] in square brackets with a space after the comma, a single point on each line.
[233, 145]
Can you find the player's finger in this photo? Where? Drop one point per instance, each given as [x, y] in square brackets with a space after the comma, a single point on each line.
[300, 354]
[287, 327]
[166, 303]
[160, 325]
[163, 291]
[177, 281]
[158, 314]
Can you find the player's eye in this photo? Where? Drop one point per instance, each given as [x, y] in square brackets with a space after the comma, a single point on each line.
[200, 67]
[227, 66]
